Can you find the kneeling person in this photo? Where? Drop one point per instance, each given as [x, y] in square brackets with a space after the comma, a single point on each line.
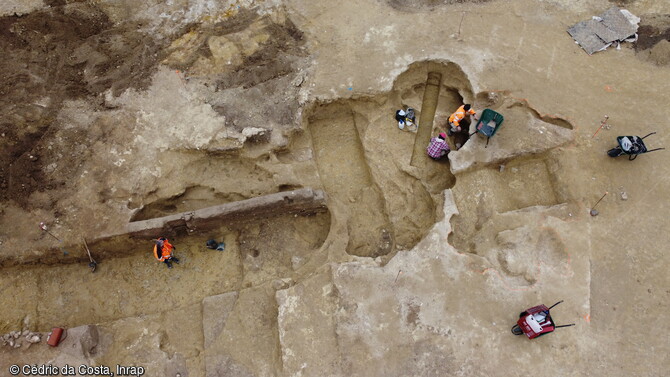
[438, 147]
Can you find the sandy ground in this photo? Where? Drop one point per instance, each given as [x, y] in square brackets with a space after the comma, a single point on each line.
[123, 111]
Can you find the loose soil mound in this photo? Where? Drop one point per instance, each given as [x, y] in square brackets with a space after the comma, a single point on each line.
[654, 38]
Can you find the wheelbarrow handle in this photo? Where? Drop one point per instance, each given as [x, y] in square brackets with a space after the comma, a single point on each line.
[555, 304]
[642, 138]
[572, 324]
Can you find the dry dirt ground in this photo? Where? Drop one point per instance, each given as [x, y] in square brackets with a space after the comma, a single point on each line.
[119, 111]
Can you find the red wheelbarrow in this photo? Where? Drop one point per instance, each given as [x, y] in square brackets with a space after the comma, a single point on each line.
[536, 321]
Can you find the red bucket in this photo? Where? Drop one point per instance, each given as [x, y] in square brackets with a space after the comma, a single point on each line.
[54, 336]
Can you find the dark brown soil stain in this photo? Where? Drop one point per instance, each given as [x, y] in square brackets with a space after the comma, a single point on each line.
[653, 29]
[275, 59]
[69, 51]
[260, 86]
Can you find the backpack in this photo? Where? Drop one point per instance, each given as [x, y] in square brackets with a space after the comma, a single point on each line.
[410, 114]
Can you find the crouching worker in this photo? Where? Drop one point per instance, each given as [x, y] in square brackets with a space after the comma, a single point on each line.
[456, 118]
[438, 147]
[163, 252]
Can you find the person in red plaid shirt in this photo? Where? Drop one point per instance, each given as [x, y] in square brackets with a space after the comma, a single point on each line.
[438, 147]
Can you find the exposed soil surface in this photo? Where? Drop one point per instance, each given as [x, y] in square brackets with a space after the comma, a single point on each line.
[50, 56]
[115, 112]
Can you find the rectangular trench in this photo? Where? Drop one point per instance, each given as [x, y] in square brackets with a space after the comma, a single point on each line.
[346, 177]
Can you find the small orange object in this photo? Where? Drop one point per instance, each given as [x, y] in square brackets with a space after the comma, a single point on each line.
[609, 88]
[54, 337]
[587, 318]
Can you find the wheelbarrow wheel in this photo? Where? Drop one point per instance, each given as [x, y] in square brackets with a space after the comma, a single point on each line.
[615, 152]
[516, 330]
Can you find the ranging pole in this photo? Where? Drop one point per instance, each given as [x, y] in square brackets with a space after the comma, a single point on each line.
[602, 124]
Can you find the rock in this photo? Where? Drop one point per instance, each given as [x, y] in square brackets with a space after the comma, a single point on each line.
[502, 168]
[15, 334]
[624, 195]
[25, 332]
[11, 343]
[33, 338]
[594, 212]
[80, 342]
[253, 131]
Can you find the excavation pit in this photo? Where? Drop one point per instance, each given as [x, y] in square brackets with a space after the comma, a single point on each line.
[258, 251]
[379, 178]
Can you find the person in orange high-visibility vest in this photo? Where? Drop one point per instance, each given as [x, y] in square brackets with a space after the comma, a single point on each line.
[456, 118]
[163, 252]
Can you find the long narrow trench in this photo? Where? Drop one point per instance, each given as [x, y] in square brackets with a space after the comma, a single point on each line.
[70, 295]
[431, 95]
[346, 178]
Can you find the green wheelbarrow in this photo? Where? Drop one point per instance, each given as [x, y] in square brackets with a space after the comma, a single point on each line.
[488, 124]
